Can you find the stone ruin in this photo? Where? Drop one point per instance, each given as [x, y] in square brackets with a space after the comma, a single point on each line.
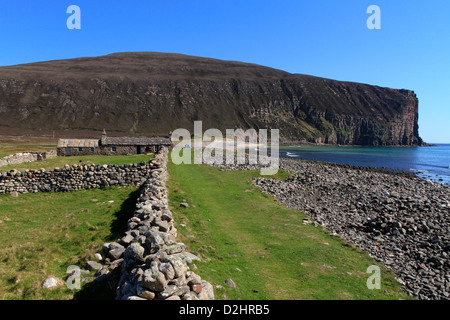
[18, 158]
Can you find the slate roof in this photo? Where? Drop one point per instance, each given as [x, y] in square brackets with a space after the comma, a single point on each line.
[120, 141]
[78, 143]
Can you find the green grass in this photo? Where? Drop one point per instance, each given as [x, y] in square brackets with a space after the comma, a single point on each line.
[42, 234]
[263, 246]
[50, 164]
[239, 232]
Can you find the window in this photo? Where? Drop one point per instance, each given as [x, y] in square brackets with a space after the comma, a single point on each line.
[92, 150]
[80, 149]
[113, 148]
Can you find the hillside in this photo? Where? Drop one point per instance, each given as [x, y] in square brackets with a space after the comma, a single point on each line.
[153, 93]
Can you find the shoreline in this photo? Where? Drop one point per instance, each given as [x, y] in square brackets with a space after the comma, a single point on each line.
[402, 221]
[387, 170]
[400, 172]
[303, 143]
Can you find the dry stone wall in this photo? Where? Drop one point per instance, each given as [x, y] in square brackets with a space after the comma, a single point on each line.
[74, 178]
[26, 157]
[148, 261]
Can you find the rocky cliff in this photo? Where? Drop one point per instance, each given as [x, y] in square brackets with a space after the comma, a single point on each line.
[154, 93]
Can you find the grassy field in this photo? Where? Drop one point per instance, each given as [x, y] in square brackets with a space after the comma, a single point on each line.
[263, 246]
[50, 164]
[42, 234]
[239, 232]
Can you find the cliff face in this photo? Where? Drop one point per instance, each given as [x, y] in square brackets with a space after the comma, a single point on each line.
[154, 93]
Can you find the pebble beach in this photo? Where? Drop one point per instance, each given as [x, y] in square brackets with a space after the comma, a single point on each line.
[399, 219]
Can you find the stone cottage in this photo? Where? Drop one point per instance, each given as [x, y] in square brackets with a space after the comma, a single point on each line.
[111, 146]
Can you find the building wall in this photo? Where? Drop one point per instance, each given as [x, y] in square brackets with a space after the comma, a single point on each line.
[108, 150]
[119, 150]
[76, 152]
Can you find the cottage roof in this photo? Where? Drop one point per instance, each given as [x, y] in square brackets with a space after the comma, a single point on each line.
[130, 141]
[77, 143]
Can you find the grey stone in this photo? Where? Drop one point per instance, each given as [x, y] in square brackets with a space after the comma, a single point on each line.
[163, 225]
[178, 265]
[207, 292]
[51, 282]
[180, 281]
[193, 278]
[230, 283]
[169, 291]
[168, 270]
[135, 298]
[155, 240]
[126, 240]
[154, 281]
[93, 265]
[182, 290]
[175, 249]
[189, 296]
[144, 293]
[116, 250]
[98, 256]
[134, 251]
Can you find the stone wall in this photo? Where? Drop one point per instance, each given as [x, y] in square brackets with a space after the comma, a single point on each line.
[73, 178]
[26, 157]
[148, 263]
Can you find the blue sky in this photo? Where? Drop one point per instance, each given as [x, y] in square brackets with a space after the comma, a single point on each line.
[324, 38]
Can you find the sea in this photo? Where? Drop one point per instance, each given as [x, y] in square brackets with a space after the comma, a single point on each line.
[430, 162]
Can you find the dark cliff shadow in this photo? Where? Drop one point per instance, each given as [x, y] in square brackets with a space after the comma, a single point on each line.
[104, 287]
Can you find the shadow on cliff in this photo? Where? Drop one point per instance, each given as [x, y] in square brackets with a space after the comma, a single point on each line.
[104, 287]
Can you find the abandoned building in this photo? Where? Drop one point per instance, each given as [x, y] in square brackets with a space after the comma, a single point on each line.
[111, 146]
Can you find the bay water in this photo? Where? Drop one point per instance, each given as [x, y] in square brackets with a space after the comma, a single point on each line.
[430, 162]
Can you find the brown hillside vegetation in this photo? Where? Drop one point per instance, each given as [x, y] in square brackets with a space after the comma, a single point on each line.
[151, 93]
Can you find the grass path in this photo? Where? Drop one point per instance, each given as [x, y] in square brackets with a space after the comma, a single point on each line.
[263, 246]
